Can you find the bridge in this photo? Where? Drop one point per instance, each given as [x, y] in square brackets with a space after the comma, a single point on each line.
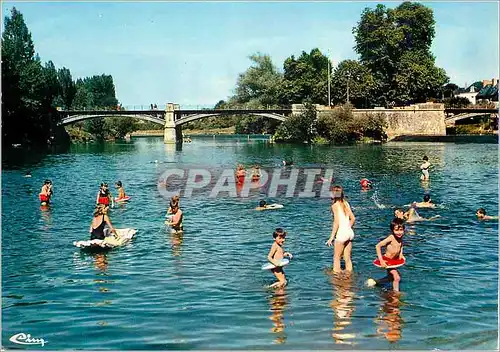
[172, 118]
[453, 115]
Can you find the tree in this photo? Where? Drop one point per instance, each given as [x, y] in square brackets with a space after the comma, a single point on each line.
[258, 85]
[359, 79]
[300, 127]
[395, 45]
[305, 79]
[68, 88]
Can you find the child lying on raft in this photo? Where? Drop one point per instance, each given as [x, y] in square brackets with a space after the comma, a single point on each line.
[411, 215]
[264, 206]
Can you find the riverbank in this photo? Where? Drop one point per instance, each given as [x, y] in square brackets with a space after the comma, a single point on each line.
[457, 138]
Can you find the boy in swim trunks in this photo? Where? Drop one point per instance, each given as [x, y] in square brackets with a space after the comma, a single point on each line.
[394, 250]
[427, 203]
[121, 191]
[176, 221]
[276, 254]
[481, 215]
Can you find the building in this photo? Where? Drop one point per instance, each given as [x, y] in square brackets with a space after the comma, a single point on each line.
[480, 91]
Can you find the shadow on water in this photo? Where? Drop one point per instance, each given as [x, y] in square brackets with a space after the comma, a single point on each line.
[21, 158]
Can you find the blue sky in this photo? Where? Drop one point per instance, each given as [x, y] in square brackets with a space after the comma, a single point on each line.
[192, 52]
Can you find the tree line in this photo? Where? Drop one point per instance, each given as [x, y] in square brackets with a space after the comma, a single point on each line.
[33, 92]
[395, 68]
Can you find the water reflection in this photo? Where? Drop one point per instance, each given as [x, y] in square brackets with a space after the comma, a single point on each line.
[176, 240]
[389, 321]
[278, 302]
[343, 307]
[46, 215]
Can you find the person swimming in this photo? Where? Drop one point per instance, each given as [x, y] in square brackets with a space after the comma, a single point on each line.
[46, 192]
[481, 215]
[264, 206]
[28, 173]
[411, 215]
[366, 184]
[427, 203]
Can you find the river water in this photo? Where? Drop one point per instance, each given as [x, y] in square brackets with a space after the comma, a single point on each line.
[206, 289]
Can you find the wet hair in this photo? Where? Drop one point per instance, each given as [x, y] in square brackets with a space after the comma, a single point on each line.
[119, 183]
[425, 158]
[338, 196]
[47, 182]
[481, 211]
[397, 222]
[174, 201]
[104, 184]
[99, 210]
[262, 203]
[427, 198]
[279, 232]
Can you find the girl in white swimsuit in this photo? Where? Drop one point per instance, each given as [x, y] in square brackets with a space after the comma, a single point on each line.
[342, 232]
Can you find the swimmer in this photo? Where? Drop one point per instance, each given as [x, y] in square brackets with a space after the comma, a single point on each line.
[481, 215]
[343, 220]
[264, 206]
[394, 250]
[366, 184]
[104, 196]
[176, 221]
[256, 173]
[276, 253]
[46, 192]
[174, 200]
[411, 215]
[240, 174]
[427, 203]
[425, 169]
[28, 173]
[287, 162]
[121, 191]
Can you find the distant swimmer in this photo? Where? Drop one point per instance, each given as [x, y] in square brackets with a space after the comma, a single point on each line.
[256, 173]
[276, 255]
[343, 220]
[287, 162]
[46, 192]
[427, 203]
[366, 184]
[481, 215]
[240, 174]
[425, 169]
[411, 215]
[393, 252]
[175, 222]
[28, 173]
[264, 206]
[104, 196]
[121, 191]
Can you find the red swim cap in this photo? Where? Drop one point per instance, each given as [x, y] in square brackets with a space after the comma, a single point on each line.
[364, 182]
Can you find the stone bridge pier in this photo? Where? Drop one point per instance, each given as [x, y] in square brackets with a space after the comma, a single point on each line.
[172, 134]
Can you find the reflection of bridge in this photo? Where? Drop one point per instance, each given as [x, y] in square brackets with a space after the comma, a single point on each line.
[172, 118]
[453, 115]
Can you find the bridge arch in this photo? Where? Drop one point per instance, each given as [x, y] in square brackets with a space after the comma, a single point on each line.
[464, 116]
[194, 117]
[76, 118]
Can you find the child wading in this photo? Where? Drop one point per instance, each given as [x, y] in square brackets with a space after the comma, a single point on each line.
[394, 250]
[276, 254]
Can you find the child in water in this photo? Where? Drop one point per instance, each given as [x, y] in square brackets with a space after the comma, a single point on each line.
[46, 193]
[411, 215]
[104, 196]
[175, 222]
[264, 206]
[121, 191]
[425, 169]
[276, 254]
[394, 250]
[427, 203]
[481, 215]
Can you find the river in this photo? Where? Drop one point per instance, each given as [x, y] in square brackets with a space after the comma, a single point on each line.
[206, 289]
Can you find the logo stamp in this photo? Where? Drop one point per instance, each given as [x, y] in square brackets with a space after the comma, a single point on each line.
[26, 339]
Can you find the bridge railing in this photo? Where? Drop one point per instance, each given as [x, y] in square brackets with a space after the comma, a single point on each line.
[162, 107]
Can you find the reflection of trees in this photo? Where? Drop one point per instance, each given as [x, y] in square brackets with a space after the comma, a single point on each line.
[176, 240]
[343, 307]
[389, 321]
[278, 302]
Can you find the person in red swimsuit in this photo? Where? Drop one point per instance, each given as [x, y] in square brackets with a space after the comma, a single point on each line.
[104, 196]
[46, 192]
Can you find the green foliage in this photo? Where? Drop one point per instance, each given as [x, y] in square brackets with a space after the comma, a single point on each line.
[305, 79]
[456, 102]
[119, 127]
[395, 45]
[68, 88]
[334, 126]
[298, 128]
[359, 79]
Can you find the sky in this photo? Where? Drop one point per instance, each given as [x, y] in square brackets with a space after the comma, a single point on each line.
[191, 53]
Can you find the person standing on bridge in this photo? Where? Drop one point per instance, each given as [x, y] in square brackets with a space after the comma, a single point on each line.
[425, 169]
